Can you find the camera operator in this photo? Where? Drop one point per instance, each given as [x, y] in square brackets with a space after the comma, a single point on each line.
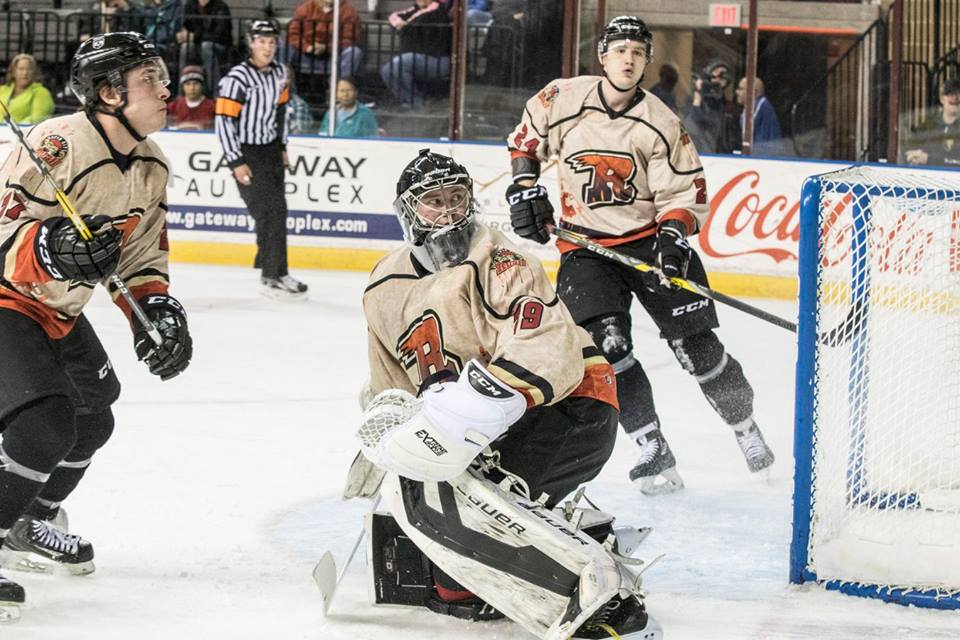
[711, 118]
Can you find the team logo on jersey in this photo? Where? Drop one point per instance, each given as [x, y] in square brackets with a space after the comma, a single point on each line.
[421, 346]
[610, 177]
[548, 95]
[53, 149]
[684, 136]
[504, 259]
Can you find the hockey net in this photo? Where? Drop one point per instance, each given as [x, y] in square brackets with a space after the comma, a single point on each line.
[877, 491]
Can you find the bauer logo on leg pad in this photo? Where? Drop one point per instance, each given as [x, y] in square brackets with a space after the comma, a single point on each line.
[431, 442]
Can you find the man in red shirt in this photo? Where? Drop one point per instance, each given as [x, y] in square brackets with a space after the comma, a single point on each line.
[310, 38]
[192, 109]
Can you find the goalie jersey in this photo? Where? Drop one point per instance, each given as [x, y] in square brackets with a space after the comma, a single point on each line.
[130, 189]
[498, 307]
[621, 174]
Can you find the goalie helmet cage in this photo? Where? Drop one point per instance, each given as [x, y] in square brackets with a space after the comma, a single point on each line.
[876, 508]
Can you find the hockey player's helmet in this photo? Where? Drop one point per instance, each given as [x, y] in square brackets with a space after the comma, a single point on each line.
[626, 28]
[436, 210]
[265, 28]
[108, 57]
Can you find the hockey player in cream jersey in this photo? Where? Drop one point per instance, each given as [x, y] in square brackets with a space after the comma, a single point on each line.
[58, 383]
[469, 323]
[630, 178]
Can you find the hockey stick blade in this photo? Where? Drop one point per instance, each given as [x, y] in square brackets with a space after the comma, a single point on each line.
[325, 575]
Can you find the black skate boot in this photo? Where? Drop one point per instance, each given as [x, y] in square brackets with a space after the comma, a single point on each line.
[283, 288]
[621, 618]
[755, 450]
[31, 542]
[11, 597]
[656, 462]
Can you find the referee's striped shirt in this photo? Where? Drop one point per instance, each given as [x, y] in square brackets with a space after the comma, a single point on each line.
[251, 108]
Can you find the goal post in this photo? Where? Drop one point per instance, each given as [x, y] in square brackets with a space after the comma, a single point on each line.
[876, 508]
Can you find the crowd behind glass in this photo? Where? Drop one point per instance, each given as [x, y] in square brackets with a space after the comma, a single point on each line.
[393, 74]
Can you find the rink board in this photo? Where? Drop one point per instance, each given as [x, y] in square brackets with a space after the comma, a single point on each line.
[340, 193]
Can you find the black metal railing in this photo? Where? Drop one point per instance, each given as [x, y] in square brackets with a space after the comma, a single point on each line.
[841, 116]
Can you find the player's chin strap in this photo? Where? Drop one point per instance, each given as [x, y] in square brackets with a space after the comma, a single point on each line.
[621, 89]
[119, 115]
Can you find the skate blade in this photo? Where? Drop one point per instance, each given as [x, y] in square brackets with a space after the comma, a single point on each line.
[670, 481]
[283, 296]
[9, 612]
[32, 563]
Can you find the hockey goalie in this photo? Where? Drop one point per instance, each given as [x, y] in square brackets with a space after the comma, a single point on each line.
[488, 407]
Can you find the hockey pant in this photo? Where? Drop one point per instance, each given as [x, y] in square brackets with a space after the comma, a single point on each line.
[516, 555]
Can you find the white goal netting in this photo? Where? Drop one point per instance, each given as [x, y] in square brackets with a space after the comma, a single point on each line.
[884, 488]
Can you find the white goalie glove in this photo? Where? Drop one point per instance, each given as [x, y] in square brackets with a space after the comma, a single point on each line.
[435, 438]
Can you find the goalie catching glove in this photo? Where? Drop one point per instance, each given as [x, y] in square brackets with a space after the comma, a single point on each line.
[172, 357]
[435, 438]
[67, 256]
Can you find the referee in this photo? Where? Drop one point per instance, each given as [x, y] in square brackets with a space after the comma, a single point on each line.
[252, 128]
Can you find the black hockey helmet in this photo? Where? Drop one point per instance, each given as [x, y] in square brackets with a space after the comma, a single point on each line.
[268, 28]
[108, 57]
[626, 28]
[436, 209]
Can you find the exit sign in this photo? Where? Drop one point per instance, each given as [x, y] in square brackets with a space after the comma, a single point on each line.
[725, 15]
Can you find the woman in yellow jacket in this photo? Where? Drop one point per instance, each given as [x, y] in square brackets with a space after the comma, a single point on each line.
[29, 101]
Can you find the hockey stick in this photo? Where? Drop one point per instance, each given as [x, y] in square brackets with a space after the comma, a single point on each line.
[693, 287]
[80, 225]
[325, 572]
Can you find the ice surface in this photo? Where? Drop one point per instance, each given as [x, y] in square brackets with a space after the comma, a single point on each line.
[220, 490]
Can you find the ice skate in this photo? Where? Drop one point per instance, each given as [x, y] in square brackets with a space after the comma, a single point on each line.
[39, 546]
[656, 470]
[624, 618]
[11, 597]
[283, 288]
[758, 455]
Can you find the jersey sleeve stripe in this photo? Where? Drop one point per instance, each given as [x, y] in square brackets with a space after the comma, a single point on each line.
[683, 216]
[533, 387]
[284, 96]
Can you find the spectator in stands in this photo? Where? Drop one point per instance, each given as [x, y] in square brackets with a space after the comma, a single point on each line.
[29, 101]
[937, 140]
[504, 39]
[205, 36]
[191, 109]
[353, 119]
[299, 116]
[711, 118]
[424, 57]
[310, 38]
[767, 138]
[161, 22]
[105, 16]
[478, 13]
[665, 87]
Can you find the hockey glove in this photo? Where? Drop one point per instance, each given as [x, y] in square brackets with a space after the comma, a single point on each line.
[673, 254]
[67, 256]
[172, 357]
[435, 439]
[530, 212]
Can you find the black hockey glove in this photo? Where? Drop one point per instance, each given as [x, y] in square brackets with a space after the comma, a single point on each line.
[530, 211]
[67, 256]
[673, 254]
[172, 357]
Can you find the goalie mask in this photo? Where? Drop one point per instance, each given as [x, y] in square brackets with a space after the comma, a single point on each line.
[436, 210]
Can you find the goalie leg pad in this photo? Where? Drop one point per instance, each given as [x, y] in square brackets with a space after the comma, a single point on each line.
[514, 554]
